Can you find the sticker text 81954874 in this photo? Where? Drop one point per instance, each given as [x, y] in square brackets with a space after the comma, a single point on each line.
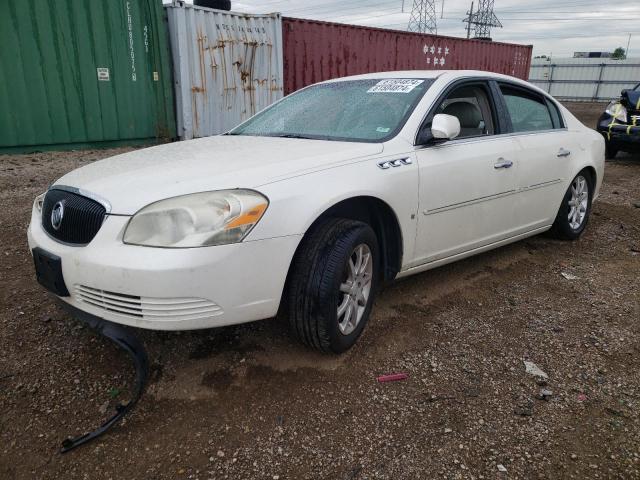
[395, 85]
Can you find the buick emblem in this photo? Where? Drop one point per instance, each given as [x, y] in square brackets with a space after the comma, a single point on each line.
[56, 215]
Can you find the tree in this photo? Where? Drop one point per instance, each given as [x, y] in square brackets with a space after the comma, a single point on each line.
[619, 53]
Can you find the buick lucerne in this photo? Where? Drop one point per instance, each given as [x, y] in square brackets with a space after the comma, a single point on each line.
[313, 204]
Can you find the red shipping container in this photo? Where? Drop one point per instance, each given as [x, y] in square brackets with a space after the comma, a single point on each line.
[315, 51]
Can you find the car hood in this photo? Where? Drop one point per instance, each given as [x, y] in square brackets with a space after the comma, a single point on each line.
[135, 179]
[632, 99]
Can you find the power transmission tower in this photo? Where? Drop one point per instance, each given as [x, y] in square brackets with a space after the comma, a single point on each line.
[468, 20]
[482, 19]
[423, 17]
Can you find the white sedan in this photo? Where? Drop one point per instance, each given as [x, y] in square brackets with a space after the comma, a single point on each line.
[313, 204]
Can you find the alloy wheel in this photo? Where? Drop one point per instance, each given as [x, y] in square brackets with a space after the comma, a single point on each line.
[355, 288]
[579, 202]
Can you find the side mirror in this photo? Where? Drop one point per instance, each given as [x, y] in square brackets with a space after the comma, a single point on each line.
[445, 127]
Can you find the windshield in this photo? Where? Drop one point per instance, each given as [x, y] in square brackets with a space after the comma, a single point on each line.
[354, 110]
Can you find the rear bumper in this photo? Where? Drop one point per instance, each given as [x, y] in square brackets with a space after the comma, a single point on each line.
[170, 289]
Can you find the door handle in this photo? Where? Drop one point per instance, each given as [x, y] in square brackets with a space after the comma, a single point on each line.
[563, 153]
[502, 163]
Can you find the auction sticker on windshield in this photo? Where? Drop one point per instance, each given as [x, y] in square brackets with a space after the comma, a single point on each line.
[395, 85]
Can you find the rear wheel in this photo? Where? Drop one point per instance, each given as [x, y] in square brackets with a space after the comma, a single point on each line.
[333, 284]
[610, 151]
[574, 211]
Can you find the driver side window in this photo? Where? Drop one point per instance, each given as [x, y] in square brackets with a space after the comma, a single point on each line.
[470, 105]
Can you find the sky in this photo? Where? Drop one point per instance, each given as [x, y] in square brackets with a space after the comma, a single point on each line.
[553, 27]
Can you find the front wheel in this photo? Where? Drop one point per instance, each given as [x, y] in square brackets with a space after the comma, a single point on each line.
[574, 211]
[333, 284]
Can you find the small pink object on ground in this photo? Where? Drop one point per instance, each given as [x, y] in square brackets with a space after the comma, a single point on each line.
[393, 377]
[582, 397]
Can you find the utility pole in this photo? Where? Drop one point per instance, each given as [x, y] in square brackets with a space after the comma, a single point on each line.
[423, 17]
[482, 20]
[626, 52]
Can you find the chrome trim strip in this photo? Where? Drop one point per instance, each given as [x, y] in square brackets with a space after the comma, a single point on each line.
[491, 197]
[79, 191]
[548, 183]
[386, 164]
[468, 202]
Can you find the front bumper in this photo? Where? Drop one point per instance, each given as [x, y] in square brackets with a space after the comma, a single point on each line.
[170, 289]
[621, 135]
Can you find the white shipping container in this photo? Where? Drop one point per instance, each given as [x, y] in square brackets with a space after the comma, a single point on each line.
[585, 79]
[227, 66]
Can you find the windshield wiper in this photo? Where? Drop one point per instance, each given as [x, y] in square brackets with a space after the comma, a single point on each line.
[291, 135]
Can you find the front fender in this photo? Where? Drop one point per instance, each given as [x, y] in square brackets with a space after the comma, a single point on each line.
[295, 203]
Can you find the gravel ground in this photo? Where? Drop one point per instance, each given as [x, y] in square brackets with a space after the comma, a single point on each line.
[248, 402]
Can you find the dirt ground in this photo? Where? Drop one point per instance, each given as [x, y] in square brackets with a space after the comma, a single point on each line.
[247, 402]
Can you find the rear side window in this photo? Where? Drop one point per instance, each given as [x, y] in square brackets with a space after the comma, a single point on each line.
[528, 112]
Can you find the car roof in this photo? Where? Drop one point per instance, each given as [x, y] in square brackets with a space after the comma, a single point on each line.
[425, 74]
[447, 74]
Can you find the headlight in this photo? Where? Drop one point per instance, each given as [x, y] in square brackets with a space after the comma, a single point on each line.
[197, 220]
[39, 201]
[617, 111]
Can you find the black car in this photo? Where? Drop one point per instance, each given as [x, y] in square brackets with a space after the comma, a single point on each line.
[620, 123]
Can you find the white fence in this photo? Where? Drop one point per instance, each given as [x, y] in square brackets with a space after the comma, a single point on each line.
[226, 66]
[585, 79]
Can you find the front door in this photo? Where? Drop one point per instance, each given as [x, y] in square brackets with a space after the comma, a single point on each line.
[467, 185]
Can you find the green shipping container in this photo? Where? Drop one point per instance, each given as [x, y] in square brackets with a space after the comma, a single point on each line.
[76, 73]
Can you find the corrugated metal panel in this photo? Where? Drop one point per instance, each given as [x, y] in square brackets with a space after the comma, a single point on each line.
[586, 79]
[77, 72]
[227, 67]
[315, 51]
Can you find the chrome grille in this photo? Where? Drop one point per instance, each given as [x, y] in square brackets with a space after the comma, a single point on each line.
[158, 309]
[79, 217]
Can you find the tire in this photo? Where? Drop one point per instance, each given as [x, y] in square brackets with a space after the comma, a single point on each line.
[564, 227]
[319, 271]
[610, 151]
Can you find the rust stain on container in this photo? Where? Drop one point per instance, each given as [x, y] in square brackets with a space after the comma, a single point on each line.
[225, 66]
[315, 51]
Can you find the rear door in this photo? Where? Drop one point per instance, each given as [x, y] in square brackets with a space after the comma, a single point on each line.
[544, 150]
